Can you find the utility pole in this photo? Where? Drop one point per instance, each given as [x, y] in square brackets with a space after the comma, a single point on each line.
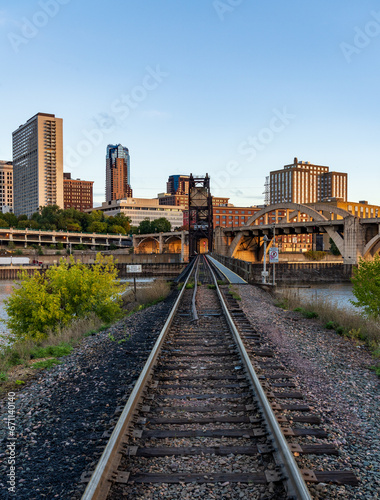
[264, 274]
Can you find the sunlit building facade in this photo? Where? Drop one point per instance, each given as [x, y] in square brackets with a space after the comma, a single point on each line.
[37, 164]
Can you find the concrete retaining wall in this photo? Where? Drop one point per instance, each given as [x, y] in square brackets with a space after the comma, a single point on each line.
[290, 273]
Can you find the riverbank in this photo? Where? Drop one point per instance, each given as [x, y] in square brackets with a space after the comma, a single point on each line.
[61, 416]
[19, 361]
[334, 372]
[349, 321]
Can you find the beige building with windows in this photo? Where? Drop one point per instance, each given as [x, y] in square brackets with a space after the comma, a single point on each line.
[139, 209]
[303, 182]
[6, 186]
[38, 164]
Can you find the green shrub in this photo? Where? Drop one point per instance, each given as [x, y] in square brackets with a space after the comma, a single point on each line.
[310, 314]
[331, 325]
[366, 286]
[315, 255]
[211, 287]
[306, 313]
[48, 302]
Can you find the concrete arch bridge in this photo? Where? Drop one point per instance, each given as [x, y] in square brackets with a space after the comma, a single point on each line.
[173, 242]
[355, 237]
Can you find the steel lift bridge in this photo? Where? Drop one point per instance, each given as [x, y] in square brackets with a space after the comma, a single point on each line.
[200, 214]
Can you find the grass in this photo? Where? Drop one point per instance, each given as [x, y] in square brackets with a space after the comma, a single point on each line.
[232, 291]
[345, 322]
[47, 363]
[211, 287]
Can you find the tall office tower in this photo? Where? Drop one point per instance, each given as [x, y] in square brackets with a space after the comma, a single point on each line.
[178, 184]
[118, 175]
[37, 164]
[6, 186]
[303, 182]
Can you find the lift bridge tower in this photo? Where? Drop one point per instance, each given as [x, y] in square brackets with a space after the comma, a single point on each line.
[201, 229]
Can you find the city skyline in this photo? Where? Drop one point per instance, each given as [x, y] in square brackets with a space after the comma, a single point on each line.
[229, 88]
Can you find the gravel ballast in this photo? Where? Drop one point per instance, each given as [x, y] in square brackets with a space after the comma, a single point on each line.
[62, 415]
[334, 374]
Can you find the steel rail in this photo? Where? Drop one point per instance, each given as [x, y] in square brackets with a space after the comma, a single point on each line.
[100, 483]
[295, 483]
[193, 306]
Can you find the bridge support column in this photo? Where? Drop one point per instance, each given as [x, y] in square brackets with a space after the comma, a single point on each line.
[220, 242]
[160, 243]
[182, 246]
[353, 241]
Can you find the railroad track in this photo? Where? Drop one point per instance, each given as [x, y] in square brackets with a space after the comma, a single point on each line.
[199, 420]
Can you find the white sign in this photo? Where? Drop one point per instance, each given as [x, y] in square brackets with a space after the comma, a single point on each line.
[273, 255]
[135, 268]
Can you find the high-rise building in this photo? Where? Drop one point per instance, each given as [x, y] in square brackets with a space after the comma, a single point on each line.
[177, 192]
[77, 193]
[178, 184]
[303, 182]
[118, 175]
[6, 185]
[37, 164]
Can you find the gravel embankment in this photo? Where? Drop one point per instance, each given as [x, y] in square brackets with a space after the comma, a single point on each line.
[333, 374]
[61, 415]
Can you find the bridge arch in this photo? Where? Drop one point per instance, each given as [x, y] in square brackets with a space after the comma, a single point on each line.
[295, 207]
[148, 244]
[333, 210]
[372, 247]
[144, 240]
[292, 210]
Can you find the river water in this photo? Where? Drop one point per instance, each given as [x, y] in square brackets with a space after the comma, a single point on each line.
[340, 293]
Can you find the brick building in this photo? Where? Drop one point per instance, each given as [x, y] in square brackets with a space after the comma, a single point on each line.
[6, 186]
[77, 194]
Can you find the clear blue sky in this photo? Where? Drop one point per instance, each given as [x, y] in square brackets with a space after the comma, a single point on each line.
[233, 88]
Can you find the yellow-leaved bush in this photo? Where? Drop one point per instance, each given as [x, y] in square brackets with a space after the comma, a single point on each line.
[49, 301]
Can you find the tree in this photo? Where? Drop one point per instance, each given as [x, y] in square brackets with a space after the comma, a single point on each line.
[160, 225]
[115, 229]
[366, 286]
[333, 248]
[50, 301]
[145, 227]
[11, 219]
[97, 227]
[74, 227]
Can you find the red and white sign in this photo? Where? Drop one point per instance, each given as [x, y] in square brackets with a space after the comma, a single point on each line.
[273, 255]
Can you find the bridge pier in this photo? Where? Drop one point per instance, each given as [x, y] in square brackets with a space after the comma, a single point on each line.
[353, 242]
